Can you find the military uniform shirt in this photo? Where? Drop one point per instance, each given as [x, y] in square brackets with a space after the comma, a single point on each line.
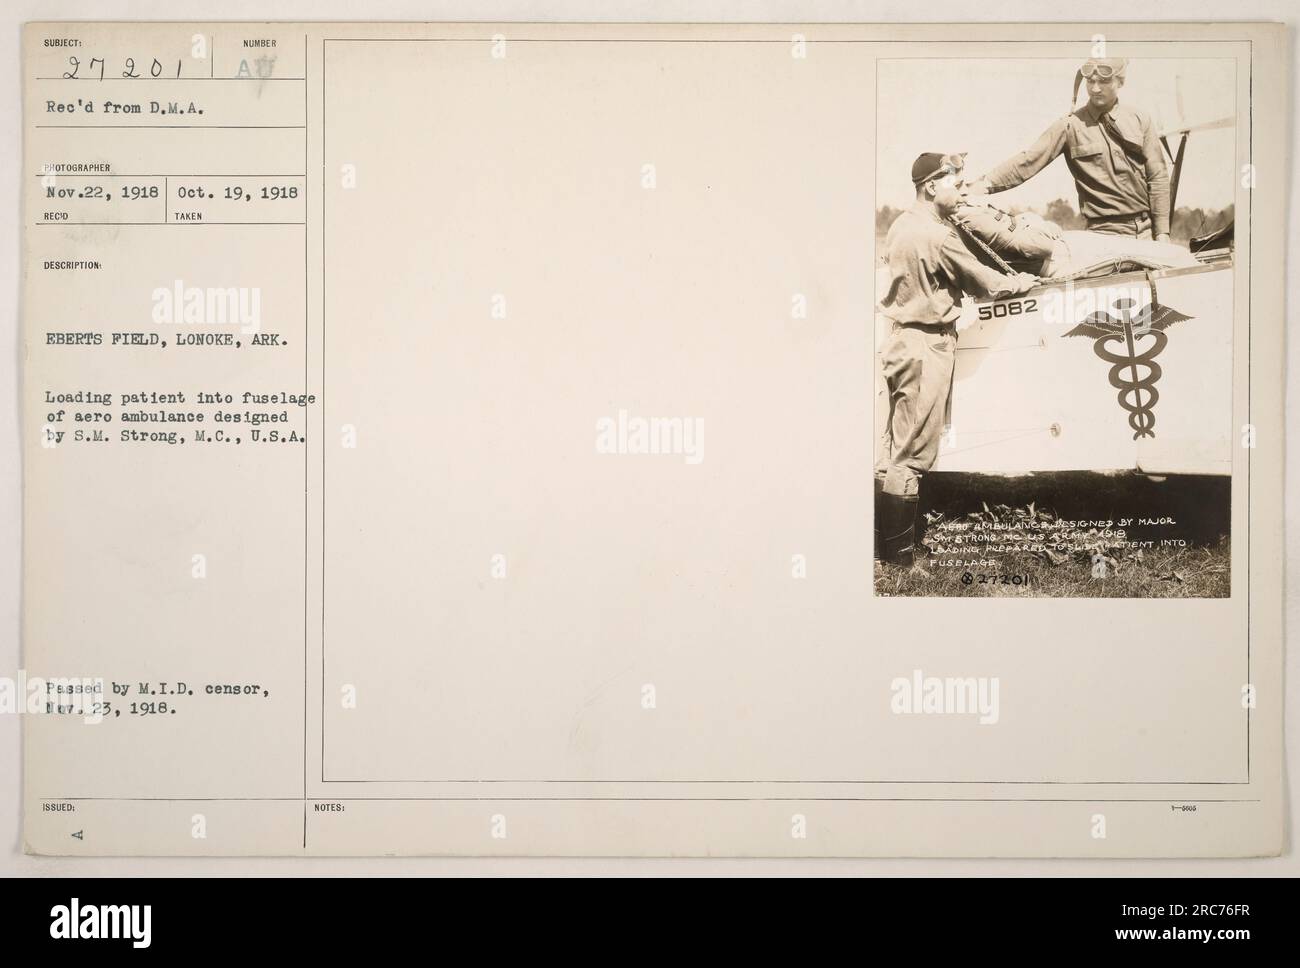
[1113, 179]
[929, 267]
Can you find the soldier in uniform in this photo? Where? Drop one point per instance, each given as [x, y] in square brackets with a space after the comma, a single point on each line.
[929, 270]
[1112, 150]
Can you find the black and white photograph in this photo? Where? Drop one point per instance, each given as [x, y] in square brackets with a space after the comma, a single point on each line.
[1054, 329]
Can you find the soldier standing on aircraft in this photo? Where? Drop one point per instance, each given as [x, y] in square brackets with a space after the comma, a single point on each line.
[1112, 150]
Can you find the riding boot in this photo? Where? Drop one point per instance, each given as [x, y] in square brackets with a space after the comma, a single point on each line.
[898, 529]
[879, 509]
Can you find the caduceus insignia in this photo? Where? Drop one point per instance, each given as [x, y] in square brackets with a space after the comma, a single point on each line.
[1134, 370]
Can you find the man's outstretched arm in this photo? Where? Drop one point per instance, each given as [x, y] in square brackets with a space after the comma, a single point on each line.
[978, 279]
[1026, 164]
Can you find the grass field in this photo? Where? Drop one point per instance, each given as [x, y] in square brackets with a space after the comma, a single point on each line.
[1174, 543]
[1196, 572]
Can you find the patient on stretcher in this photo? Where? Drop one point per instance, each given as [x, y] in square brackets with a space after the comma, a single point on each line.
[1029, 243]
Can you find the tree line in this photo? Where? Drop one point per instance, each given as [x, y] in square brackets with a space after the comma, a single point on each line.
[1185, 223]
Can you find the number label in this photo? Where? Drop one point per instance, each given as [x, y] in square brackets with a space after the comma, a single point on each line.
[1016, 307]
